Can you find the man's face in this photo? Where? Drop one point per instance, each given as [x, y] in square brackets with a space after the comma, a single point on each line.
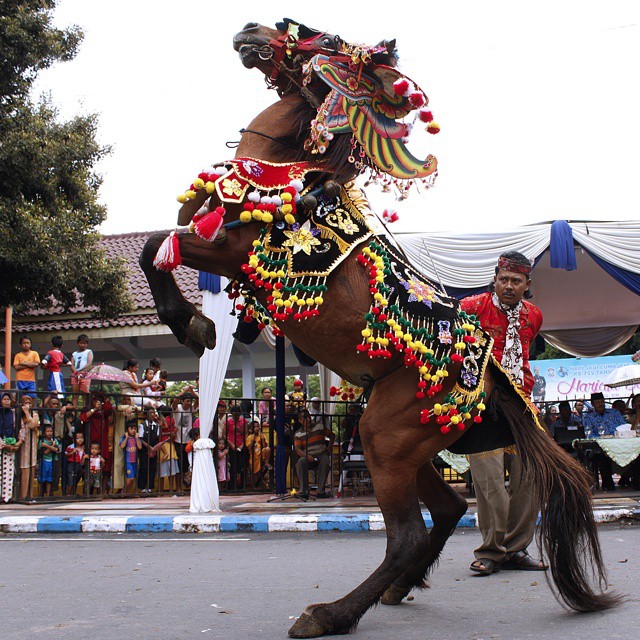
[186, 403]
[579, 406]
[598, 405]
[25, 344]
[55, 403]
[82, 345]
[510, 287]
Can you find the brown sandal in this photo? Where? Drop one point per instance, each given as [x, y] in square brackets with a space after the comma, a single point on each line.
[522, 561]
[485, 567]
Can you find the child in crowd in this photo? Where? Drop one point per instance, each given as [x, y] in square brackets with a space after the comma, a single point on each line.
[75, 457]
[52, 363]
[82, 360]
[152, 392]
[50, 447]
[25, 363]
[194, 434]
[162, 381]
[96, 462]
[130, 444]
[223, 471]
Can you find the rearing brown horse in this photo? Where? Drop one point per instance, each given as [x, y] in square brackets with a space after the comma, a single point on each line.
[305, 67]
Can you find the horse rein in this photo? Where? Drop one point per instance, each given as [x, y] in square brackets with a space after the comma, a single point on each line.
[266, 135]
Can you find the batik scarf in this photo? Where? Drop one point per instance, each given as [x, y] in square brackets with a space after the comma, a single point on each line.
[512, 354]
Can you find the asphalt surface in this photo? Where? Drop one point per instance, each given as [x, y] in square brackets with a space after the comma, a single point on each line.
[108, 586]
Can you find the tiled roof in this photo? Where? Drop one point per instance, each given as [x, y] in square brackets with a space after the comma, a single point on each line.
[122, 245]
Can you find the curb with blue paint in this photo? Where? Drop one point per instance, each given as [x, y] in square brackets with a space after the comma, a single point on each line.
[299, 523]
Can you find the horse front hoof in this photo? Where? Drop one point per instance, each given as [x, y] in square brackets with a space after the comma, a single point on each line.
[393, 595]
[314, 622]
[202, 330]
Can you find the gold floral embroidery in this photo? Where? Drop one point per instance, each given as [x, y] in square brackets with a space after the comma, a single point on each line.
[232, 188]
[344, 223]
[301, 240]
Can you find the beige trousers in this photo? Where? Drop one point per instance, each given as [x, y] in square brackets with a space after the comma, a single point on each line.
[506, 517]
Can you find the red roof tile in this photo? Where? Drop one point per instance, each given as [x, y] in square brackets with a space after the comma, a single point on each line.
[127, 246]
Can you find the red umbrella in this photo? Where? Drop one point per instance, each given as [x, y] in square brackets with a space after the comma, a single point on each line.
[106, 373]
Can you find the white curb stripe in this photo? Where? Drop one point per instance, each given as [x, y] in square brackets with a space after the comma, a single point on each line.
[19, 524]
[104, 524]
[293, 523]
[196, 524]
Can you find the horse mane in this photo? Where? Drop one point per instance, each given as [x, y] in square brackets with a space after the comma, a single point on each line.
[336, 158]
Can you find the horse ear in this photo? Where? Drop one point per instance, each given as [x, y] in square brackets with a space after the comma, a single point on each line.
[284, 25]
[388, 54]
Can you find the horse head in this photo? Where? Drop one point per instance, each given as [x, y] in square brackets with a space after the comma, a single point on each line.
[281, 53]
[349, 89]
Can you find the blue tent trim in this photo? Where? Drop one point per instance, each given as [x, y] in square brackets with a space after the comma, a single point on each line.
[561, 248]
[626, 278]
[208, 282]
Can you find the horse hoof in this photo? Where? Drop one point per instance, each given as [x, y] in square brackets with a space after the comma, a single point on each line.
[306, 626]
[316, 621]
[393, 595]
[202, 330]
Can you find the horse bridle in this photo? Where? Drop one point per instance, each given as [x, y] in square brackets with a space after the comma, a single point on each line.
[287, 44]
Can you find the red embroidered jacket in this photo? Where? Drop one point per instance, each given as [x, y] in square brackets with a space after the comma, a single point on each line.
[494, 322]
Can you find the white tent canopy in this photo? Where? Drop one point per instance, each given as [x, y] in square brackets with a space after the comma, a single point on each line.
[586, 311]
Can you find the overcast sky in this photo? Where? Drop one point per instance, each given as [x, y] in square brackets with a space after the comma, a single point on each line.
[538, 102]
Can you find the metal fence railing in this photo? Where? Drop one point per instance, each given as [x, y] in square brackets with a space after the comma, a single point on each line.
[106, 444]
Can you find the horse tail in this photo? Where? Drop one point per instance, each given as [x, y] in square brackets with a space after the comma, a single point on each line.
[567, 534]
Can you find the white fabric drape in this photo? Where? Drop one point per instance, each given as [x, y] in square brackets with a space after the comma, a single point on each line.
[213, 366]
[468, 261]
[589, 343]
[616, 242]
[214, 362]
[204, 486]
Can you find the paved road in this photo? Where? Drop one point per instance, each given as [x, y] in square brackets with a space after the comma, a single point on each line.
[234, 587]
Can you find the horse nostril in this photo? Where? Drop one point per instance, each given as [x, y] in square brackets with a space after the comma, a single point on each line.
[250, 25]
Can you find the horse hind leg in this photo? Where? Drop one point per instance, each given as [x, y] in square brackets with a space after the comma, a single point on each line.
[190, 326]
[446, 507]
[407, 538]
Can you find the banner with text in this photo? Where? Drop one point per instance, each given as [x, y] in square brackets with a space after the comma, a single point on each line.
[573, 378]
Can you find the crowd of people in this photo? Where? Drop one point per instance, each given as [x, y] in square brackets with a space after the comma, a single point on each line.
[140, 439]
[591, 420]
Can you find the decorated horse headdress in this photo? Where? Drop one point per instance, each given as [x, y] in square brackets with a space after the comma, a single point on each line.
[356, 91]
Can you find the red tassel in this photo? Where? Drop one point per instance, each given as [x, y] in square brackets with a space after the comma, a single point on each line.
[416, 99]
[401, 86]
[168, 256]
[426, 115]
[208, 226]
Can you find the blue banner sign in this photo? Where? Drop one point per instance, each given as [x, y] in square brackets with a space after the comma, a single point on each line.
[578, 378]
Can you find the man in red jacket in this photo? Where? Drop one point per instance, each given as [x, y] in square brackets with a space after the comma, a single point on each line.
[506, 517]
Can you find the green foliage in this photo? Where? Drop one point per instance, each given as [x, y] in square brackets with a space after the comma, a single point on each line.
[232, 387]
[49, 208]
[628, 348]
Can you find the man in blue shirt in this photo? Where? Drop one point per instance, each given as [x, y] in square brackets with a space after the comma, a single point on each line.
[602, 422]
[566, 428]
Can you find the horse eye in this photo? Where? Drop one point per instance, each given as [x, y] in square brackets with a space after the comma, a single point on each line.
[327, 42]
